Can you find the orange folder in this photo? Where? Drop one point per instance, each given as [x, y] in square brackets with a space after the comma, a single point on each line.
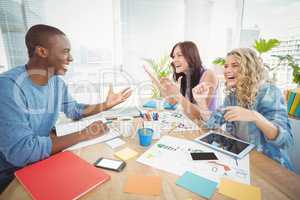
[62, 176]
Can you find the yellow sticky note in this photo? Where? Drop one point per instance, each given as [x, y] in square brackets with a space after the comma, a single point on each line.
[239, 191]
[126, 153]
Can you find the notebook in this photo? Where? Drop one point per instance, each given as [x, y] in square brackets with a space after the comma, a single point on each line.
[62, 176]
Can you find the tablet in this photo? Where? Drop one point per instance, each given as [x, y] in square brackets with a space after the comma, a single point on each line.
[228, 145]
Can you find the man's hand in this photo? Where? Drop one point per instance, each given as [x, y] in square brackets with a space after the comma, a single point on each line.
[114, 99]
[94, 130]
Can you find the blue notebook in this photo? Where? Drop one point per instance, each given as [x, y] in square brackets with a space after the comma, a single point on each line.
[150, 104]
[197, 184]
[169, 106]
[297, 112]
[290, 101]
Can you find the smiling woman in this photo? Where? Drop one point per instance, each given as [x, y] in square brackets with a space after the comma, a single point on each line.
[254, 110]
[188, 72]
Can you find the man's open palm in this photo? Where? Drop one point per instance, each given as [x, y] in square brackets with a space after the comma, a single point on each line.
[114, 99]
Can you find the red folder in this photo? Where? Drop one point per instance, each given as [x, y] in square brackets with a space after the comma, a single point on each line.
[63, 176]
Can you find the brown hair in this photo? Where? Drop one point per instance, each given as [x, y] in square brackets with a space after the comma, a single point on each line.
[190, 52]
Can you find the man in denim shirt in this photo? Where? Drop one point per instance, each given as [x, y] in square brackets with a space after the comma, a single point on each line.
[253, 110]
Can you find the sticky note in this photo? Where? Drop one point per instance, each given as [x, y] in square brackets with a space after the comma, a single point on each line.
[145, 185]
[126, 153]
[197, 184]
[238, 190]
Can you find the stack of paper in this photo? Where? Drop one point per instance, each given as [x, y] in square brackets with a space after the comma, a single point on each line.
[106, 137]
[72, 127]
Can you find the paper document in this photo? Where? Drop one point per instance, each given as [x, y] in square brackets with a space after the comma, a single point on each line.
[106, 137]
[72, 127]
[172, 154]
[114, 143]
[177, 121]
[120, 112]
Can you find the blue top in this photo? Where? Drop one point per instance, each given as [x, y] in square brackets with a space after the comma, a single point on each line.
[270, 104]
[28, 112]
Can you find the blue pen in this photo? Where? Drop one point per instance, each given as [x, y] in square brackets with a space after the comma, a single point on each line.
[153, 116]
[141, 114]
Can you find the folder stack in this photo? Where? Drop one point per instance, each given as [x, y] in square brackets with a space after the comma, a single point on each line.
[293, 103]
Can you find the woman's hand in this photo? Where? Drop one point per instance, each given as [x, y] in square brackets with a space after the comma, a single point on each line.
[201, 91]
[168, 88]
[237, 113]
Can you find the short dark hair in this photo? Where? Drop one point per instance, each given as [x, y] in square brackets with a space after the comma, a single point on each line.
[38, 35]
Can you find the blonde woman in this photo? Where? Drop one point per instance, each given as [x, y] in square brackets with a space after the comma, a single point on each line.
[253, 110]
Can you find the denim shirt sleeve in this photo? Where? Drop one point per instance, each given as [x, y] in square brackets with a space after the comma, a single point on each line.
[271, 105]
[70, 107]
[19, 144]
[216, 119]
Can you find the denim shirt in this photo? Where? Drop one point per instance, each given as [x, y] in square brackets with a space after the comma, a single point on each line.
[270, 104]
[28, 113]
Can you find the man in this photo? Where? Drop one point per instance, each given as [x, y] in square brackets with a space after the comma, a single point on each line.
[32, 97]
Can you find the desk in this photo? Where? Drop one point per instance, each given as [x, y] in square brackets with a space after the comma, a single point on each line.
[275, 181]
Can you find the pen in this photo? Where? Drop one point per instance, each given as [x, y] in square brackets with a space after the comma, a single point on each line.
[236, 162]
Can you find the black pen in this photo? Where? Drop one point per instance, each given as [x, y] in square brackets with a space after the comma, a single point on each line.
[236, 162]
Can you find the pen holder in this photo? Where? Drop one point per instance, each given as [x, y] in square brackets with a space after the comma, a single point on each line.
[145, 136]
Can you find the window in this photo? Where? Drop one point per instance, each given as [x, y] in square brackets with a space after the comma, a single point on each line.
[110, 38]
[274, 19]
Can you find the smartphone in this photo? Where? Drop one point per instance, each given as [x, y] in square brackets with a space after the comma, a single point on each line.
[110, 164]
[204, 156]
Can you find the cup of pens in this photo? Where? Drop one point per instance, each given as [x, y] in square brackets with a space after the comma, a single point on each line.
[145, 136]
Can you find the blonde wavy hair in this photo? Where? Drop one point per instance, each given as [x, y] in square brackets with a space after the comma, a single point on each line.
[250, 76]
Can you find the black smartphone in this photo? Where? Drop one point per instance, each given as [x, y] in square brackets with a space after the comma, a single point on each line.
[204, 156]
[110, 164]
